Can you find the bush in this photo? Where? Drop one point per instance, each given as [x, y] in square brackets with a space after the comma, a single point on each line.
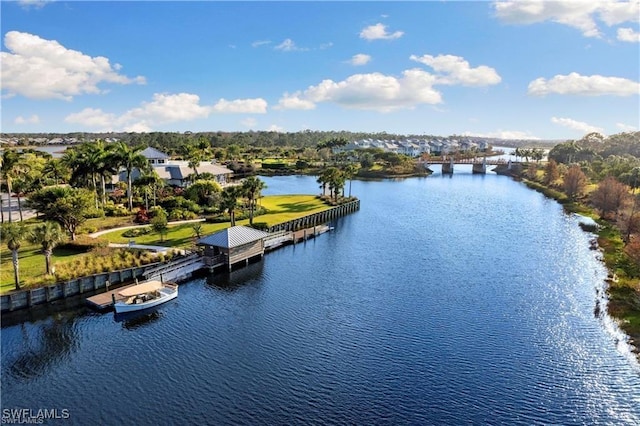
[179, 214]
[142, 216]
[115, 210]
[136, 232]
[83, 244]
[263, 226]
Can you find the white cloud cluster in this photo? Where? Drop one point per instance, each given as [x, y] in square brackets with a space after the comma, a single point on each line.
[379, 32]
[164, 108]
[582, 15]
[289, 45]
[629, 35]
[374, 91]
[44, 69]
[384, 93]
[455, 70]
[34, 119]
[360, 59]
[579, 126]
[576, 84]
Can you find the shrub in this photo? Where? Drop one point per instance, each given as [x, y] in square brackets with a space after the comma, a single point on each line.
[142, 216]
[179, 214]
[115, 210]
[136, 232]
[83, 244]
[263, 226]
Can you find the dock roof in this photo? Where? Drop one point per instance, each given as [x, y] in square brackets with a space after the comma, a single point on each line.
[234, 236]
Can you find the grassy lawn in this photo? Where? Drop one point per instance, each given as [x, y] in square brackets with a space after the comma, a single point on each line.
[281, 208]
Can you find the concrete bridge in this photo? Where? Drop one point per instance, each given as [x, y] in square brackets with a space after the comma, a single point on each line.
[479, 164]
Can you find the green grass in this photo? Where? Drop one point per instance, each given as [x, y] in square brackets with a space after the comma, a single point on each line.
[281, 208]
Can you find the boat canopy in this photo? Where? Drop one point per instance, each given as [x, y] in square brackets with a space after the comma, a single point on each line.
[147, 287]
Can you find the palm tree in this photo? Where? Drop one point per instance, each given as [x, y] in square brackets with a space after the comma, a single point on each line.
[56, 170]
[130, 158]
[48, 235]
[350, 172]
[13, 233]
[230, 201]
[251, 188]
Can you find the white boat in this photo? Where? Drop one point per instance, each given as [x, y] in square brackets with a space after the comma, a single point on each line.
[144, 296]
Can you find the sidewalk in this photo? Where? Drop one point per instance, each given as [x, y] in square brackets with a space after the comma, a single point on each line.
[123, 228]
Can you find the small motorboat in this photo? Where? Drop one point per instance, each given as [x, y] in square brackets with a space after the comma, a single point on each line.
[144, 296]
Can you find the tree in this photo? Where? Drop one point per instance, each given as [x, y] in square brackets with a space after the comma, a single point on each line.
[159, 223]
[197, 229]
[251, 188]
[48, 235]
[67, 206]
[12, 234]
[130, 159]
[350, 172]
[574, 182]
[229, 201]
[610, 196]
[551, 172]
[56, 170]
[203, 192]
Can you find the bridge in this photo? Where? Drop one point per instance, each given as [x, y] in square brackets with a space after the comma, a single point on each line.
[479, 163]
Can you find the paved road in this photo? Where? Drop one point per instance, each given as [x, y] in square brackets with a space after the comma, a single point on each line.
[12, 205]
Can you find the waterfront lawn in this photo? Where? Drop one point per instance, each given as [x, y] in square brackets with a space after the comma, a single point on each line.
[280, 208]
[31, 264]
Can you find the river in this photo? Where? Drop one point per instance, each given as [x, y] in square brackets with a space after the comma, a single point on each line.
[445, 300]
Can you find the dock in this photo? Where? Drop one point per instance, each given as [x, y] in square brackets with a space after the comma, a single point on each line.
[104, 300]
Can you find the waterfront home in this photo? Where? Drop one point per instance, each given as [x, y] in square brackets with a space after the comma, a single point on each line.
[176, 172]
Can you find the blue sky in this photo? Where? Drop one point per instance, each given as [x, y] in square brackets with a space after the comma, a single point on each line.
[513, 69]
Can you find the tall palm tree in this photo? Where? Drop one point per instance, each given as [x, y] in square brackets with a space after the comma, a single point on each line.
[229, 201]
[251, 188]
[48, 235]
[12, 234]
[130, 159]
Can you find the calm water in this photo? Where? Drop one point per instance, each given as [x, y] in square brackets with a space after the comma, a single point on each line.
[442, 301]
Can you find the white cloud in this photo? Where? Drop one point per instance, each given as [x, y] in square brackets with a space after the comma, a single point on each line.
[504, 134]
[241, 106]
[456, 70]
[374, 91]
[294, 101]
[36, 4]
[379, 32]
[289, 45]
[628, 34]
[576, 84]
[163, 108]
[582, 15]
[626, 127]
[259, 43]
[44, 69]
[579, 126]
[167, 108]
[93, 118]
[275, 128]
[360, 59]
[34, 119]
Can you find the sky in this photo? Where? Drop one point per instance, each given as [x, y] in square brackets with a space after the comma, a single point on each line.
[524, 69]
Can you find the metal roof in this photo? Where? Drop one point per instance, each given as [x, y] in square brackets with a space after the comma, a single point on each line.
[234, 236]
[152, 153]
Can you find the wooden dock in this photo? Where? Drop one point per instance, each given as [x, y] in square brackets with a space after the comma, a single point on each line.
[105, 300]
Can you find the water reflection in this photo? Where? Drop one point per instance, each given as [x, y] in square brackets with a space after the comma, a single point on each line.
[45, 345]
[135, 320]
